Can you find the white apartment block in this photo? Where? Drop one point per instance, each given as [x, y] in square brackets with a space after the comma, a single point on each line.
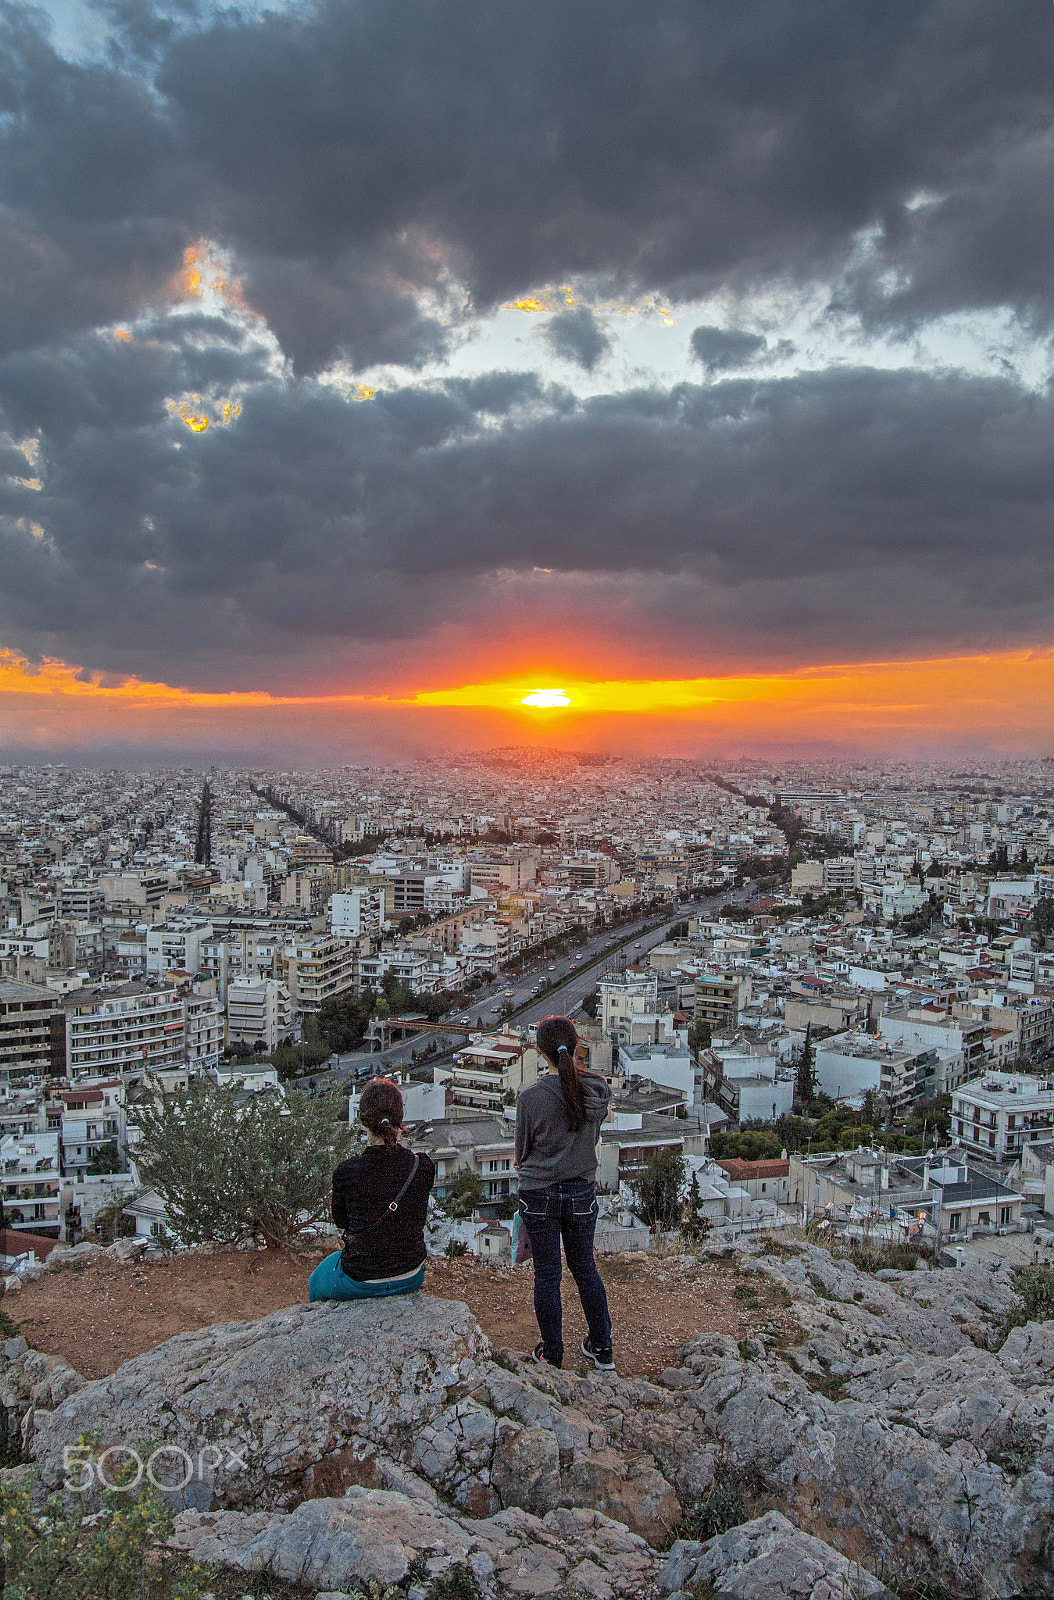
[961, 1044]
[848, 1065]
[30, 1180]
[129, 1031]
[84, 1132]
[203, 1031]
[408, 966]
[176, 947]
[1000, 1112]
[259, 1011]
[485, 944]
[625, 995]
[355, 912]
[488, 1072]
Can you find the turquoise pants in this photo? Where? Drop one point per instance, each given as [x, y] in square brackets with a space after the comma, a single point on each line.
[329, 1281]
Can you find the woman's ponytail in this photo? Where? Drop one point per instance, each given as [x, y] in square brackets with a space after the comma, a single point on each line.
[557, 1040]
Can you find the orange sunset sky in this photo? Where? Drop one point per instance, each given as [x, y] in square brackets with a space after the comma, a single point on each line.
[1002, 702]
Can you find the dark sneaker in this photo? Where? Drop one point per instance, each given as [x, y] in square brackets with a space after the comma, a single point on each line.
[538, 1354]
[600, 1358]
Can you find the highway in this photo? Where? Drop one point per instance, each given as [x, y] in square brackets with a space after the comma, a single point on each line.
[574, 977]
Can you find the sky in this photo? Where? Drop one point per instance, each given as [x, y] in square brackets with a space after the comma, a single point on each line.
[368, 367]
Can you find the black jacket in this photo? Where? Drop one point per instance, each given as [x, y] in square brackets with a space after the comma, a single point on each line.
[379, 1243]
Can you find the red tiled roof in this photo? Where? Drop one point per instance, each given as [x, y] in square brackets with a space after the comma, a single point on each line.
[13, 1242]
[754, 1169]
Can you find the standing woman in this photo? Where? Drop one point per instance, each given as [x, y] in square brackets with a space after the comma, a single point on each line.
[557, 1130]
[380, 1202]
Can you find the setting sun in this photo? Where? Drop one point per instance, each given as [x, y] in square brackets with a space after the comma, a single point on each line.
[546, 698]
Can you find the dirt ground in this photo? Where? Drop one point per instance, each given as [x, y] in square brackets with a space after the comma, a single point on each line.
[98, 1316]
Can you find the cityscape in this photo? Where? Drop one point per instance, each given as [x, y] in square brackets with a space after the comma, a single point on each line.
[709, 927]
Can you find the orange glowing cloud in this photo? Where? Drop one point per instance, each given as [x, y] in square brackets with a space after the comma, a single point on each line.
[1006, 700]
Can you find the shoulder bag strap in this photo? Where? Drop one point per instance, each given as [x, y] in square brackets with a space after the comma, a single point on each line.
[393, 1205]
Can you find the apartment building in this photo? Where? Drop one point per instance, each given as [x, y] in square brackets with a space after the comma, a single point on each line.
[32, 1034]
[355, 912]
[485, 944]
[80, 902]
[87, 1124]
[719, 998]
[850, 1065]
[890, 1193]
[144, 889]
[308, 890]
[480, 1143]
[128, 1030]
[316, 968]
[961, 1044]
[259, 1011]
[176, 947]
[624, 995]
[30, 1181]
[203, 1030]
[838, 875]
[592, 870]
[488, 1074]
[513, 870]
[1000, 1112]
[748, 1086]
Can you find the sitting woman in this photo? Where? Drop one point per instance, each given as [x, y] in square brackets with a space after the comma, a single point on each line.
[380, 1201]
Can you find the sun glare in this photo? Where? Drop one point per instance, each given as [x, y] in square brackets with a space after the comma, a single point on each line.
[546, 697]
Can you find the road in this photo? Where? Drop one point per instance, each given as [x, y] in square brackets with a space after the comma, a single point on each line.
[571, 985]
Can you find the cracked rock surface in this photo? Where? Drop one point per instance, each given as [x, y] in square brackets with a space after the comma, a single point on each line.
[897, 1434]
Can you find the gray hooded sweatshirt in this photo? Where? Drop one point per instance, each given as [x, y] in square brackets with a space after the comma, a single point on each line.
[546, 1149]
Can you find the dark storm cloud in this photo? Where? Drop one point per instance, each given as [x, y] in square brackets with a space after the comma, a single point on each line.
[860, 510]
[577, 336]
[379, 173]
[726, 349]
[356, 154]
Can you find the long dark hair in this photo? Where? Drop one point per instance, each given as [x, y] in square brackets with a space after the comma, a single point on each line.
[381, 1110]
[558, 1041]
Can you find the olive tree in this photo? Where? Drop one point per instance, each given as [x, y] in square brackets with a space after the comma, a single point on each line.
[234, 1168]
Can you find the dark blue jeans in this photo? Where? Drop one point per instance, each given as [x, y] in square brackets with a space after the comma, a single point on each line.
[566, 1211]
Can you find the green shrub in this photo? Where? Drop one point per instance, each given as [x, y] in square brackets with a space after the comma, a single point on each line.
[455, 1248]
[721, 1508]
[1035, 1286]
[116, 1554]
[458, 1582]
[872, 1256]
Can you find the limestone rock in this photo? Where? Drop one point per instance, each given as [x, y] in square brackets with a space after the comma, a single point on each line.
[769, 1559]
[312, 1400]
[334, 1544]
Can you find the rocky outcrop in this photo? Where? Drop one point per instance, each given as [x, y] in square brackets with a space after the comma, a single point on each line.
[769, 1559]
[313, 1399]
[332, 1544]
[895, 1427]
[31, 1385]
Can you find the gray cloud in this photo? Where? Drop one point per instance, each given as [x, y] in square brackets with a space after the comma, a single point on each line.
[355, 156]
[852, 512]
[576, 335]
[727, 349]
